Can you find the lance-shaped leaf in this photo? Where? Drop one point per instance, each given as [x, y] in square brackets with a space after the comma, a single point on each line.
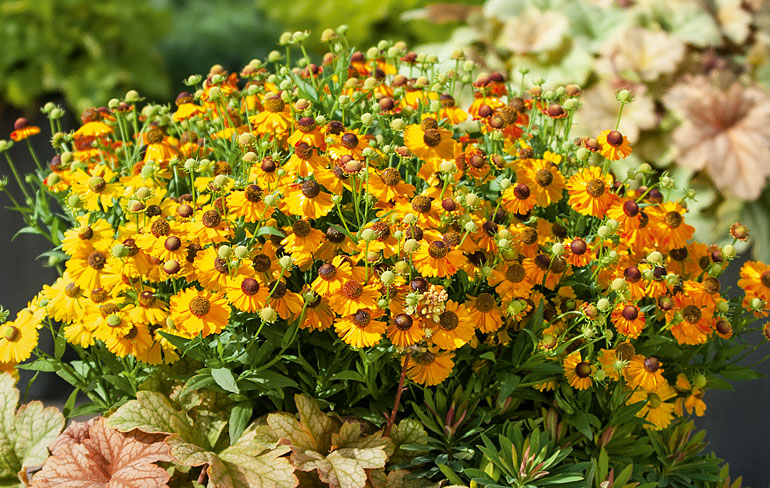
[26, 433]
[255, 461]
[338, 452]
[104, 458]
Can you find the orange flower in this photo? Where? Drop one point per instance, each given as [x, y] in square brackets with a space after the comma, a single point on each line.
[589, 192]
[614, 145]
[628, 319]
[23, 130]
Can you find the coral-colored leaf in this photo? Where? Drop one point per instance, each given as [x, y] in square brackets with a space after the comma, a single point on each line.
[106, 458]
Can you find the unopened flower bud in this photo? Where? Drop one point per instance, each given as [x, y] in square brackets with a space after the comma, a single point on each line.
[411, 245]
[285, 261]
[268, 314]
[224, 251]
[387, 277]
[603, 304]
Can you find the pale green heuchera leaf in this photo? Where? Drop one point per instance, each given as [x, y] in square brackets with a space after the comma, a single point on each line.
[338, 452]
[254, 461]
[26, 433]
[398, 479]
[408, 431]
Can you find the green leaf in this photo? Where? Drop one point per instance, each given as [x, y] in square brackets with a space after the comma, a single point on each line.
[225, 379]
[264, 230]
[239, 419]
[24, 433]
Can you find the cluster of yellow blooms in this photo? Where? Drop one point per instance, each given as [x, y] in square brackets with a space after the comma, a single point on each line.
[383, 211]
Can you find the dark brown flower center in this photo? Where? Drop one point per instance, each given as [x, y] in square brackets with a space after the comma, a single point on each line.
[250, 286]
[421, 204]
[544, 177]
[724, 327]
[301, 228]
[303, 150]
[437, 249]
[558, 265]
[327, 271]
[521, 191]
[261, 263]
[424, 358]
[403, 321]
[391, 177]
[333, 235]
[632, 274]
[221, 265]
[448, 320]
[274, 104]
[362, 318]
[485, 302]
[432, 137]
[578, 247]
[651, 364]
[97, 260]
[172, 243]
[211, 218]
[679, 254]
[529, 235]
[311, 188]
[631, 208]
[199, 306]
[615, 138]
[155, 136]
[451, 238]
[711, 285]
[306, 124]
[673, 219]
[108, 309]
[583, 370]
[349, 140]
[253, 193]
[595, 187]
[625, 351]
[515, 273]
[428, 123]
[352, 289]
[692, 314]
[543, 262]
[630, 312]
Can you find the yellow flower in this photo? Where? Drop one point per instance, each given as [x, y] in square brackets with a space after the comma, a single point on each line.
[199, 312]
[577, 371]
[656, 410]
[360, 329]
[18, 340]
[454, 328]
[646, 373]
[428, 141]
[430, 367]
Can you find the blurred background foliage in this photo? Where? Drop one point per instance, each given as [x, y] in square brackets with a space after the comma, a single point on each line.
[89, 52]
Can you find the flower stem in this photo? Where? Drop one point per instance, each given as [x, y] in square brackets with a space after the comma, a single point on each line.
[392, 418]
